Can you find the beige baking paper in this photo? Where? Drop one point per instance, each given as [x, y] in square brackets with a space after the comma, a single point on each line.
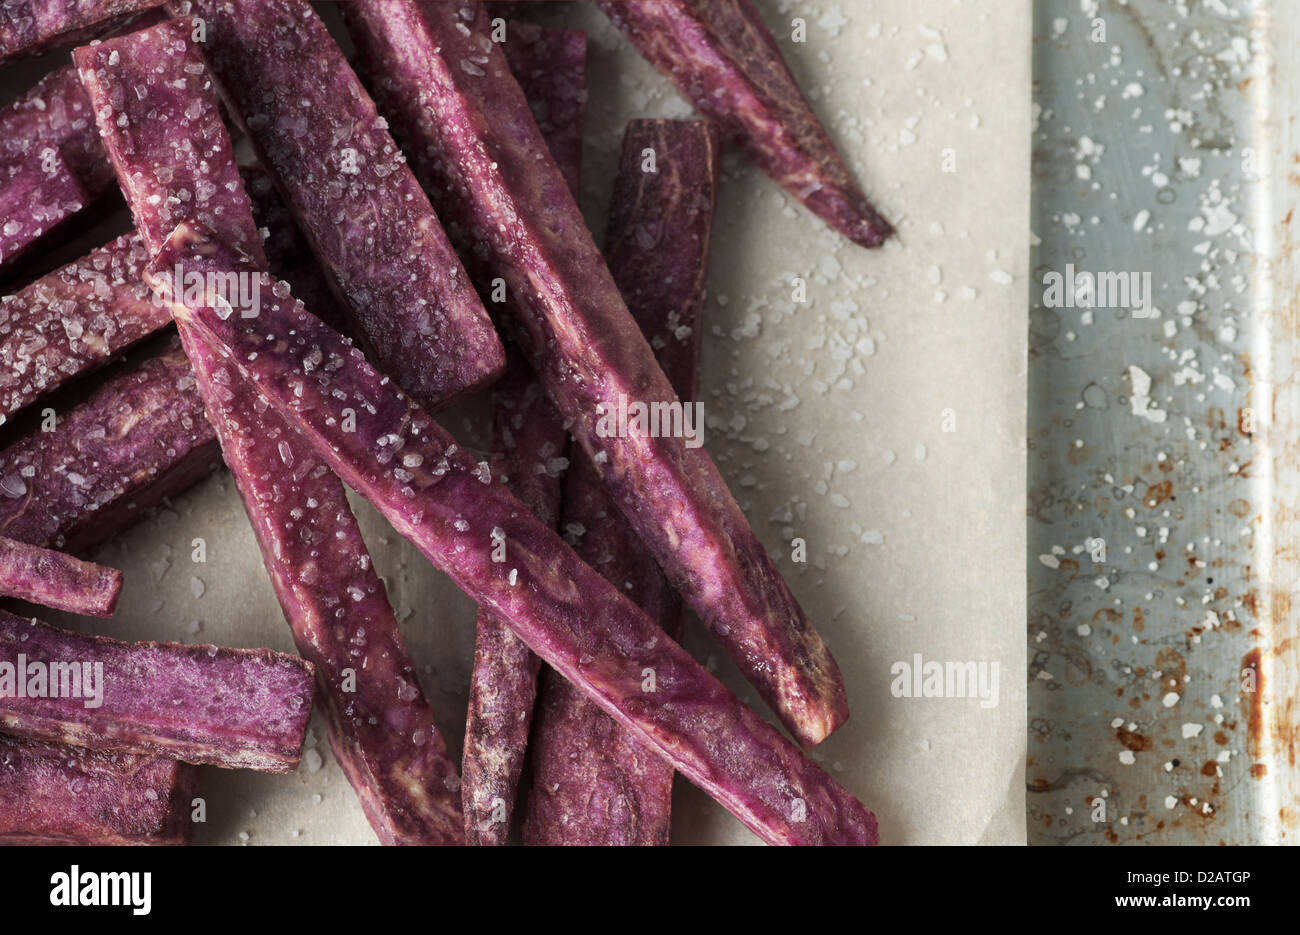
[881, 421]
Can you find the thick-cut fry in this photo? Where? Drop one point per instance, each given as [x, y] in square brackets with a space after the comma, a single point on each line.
[722, 57]
[49, 134]
[140, 437]
[58, 580]
[435, 495]
[446, 85]
[381, 725]
[593, 782]
[527, 451]
[528, 446]
[74, 320]
[159, 120]
[35, 197]
[28, 27]
[355, 199]
[238, 708]
[550, 64]
[54, 117]
[55, 794]
[288, 252]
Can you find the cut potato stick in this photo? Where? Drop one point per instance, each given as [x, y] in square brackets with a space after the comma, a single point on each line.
[58, 580]
[437, 496]
[527, 451]
[73, 320]
[54, 119]
[238, 708]
[722, 58]
[138, 438]
[55, 794]
[355, 199]
[288, 252]
[550, 64]
[593, 782]
[77, 318]
[528, 445]
[160, 122]
[49, 133]
[381, 726]
[29, 27]
[475, 143]
[35, 197]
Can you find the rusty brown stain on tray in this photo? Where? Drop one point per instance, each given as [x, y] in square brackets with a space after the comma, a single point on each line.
[1158, 493]
[1132, 740]
[1172, 667]
[1253, 704]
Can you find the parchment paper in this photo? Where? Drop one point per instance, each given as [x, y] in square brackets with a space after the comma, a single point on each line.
[828, 419]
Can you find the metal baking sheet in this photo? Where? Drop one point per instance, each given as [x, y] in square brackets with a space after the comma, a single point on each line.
[1162, 500]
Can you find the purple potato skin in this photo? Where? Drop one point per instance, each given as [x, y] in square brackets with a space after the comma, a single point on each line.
[55, 794]
[380, 724]
[58, 580]
[529, 438]
[29, 27]
[35, 198]
[73, 320]
[50, 131]
[355, 199]
[177, 125]
[101, 298]
[550, 64]
[593, 782]
[509, 198]
[138, 438]
[528, 448]
[237, 708]
[56, 114]
[381, 727]
[288, 252]
[437, 497]
[722, 57]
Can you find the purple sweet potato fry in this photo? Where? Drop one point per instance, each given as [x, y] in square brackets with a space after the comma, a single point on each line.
[528, 448]
[657, 238]
[381, 726]
[355, 199]
[138, 438]
[35, 197]
[171, 152]
[237, 708]
[445, 84]
[55, 794]
[58, 580]
[55, 115]
[435, 495]
[550, 64]
[722, 57]
[50, 131]
[73, 320]
[287, 251]
[29, 27]
[593, 782]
